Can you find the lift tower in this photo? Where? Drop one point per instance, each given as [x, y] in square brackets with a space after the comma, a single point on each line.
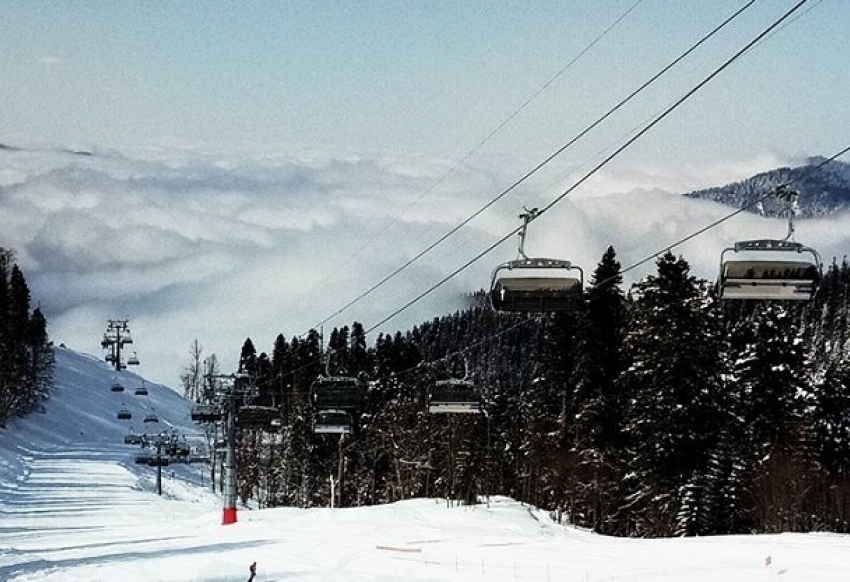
[115, 339]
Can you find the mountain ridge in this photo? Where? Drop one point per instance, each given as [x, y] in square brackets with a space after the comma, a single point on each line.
[823, 187]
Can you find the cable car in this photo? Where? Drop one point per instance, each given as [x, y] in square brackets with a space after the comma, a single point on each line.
[779, 270]
[535, 285]
[205, 413]
[332, 422]
[117, 387]
[454, 396]
[256, 417]
[124, 414]
[150, 418]
[337, 393]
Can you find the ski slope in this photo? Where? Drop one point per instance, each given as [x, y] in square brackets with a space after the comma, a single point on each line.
[74, 507]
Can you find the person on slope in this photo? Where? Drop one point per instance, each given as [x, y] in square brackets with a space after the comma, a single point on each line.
[253, 570]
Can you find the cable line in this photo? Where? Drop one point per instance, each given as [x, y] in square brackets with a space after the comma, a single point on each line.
[731, 215]
[539, 166]
[457, 164]
[600, 165]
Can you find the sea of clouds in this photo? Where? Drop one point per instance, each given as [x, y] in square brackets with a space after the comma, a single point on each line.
[219, 247]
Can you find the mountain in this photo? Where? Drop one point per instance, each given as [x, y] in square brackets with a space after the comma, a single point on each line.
[822, 190]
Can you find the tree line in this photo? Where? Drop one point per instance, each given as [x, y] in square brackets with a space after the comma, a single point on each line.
[26, 356]
[658, 412]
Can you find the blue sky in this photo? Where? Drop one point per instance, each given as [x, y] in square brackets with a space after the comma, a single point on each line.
[415, 77]
[259, 164]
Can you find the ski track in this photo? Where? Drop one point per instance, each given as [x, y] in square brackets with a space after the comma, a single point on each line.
[74, 507]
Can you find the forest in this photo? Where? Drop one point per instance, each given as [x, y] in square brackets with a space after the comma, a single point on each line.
[656, 411]
[26, 356]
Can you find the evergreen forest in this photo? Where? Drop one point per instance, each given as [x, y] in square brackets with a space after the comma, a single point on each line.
[26, 356]
[654, 411]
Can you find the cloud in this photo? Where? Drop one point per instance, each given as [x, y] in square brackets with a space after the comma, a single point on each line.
[49, 60]
[192, 245]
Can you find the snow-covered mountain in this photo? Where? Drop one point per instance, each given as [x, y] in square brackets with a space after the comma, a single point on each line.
[822, 190]
[75, 507]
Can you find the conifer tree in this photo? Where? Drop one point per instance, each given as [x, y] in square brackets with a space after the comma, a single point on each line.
[676, 413]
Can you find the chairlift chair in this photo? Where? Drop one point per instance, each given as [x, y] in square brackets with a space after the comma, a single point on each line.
[124, 414]
[109, 358]
[142, 459]
[127, 339]
[337, 393]
[132, 439]
[205, 413]
[133, 360]
[535, 285]
[117, 387]
[332, 422]
[151, 418]
[779, 270]
[454, 396]
[141, 391]
[256, 417]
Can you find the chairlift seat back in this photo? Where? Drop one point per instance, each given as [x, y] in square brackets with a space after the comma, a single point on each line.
[760, 272]
[332, 422]
[454, 397]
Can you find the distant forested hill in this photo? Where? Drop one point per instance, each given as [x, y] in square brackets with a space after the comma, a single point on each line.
[823, 191]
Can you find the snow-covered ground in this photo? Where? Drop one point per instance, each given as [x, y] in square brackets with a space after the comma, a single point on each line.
[74, 507]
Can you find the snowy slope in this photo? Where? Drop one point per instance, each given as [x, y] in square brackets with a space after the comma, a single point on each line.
[74, 507]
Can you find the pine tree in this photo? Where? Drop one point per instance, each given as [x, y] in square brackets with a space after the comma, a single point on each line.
[676, 411]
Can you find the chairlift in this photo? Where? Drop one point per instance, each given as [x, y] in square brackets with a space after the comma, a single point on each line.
[109, 358]
[767, 269]
[454, 396]
[535, 285]
[332, 422]
[205, 413]
[124, 414]
[337, 393]
[117, 387]
[133, 360]
[132, 439]
[151, 418]
[142, 459]
[256, 417]
[127, 339]
[159, 461]
[141, 391]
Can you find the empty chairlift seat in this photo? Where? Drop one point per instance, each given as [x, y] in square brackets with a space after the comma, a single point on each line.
[454, 396]
[124, 414]
[256, 417]
[332, 422]
[769, 270]
[116, 387]
[205, 413]
[337, 393]
[537, 286]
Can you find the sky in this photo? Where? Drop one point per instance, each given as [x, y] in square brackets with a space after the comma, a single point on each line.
[75, 508]
[257, 165]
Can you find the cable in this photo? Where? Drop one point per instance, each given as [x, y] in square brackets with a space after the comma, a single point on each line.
[539, 166]
[596, 168]
[457, 164]
[731, 215]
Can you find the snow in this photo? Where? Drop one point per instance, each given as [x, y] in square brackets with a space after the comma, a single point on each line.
[74, 507]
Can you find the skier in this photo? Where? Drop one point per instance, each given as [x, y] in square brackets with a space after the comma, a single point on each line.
[253, 570]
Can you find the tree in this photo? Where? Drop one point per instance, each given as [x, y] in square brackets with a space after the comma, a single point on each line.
[192, 377]
[676, 407]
